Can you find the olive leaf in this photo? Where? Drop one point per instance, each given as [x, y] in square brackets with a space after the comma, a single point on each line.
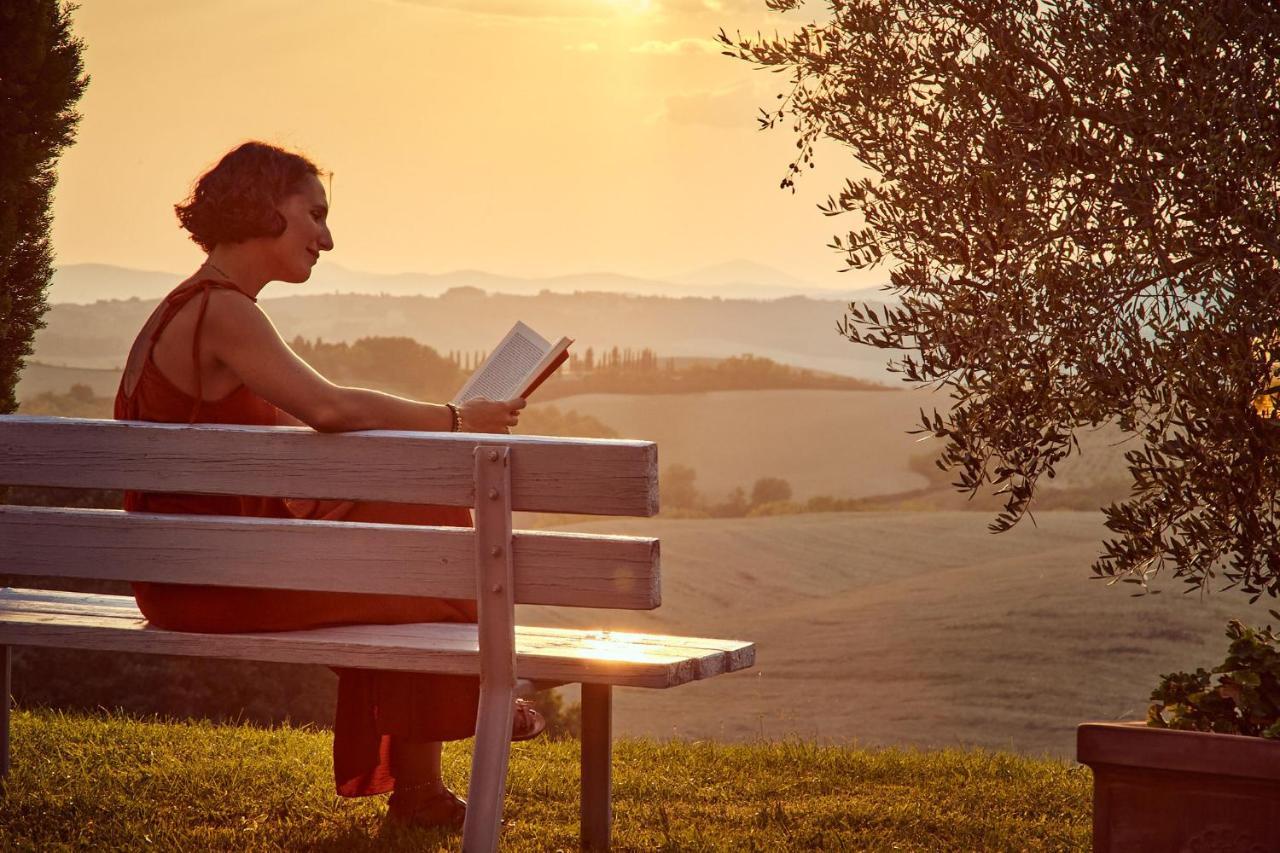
[1075, 202]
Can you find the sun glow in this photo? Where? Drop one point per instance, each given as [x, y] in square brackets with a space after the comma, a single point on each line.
[633, 88]
[630, 7]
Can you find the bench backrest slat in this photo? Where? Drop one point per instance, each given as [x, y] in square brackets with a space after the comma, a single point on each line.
[551, 568]
[594, 476]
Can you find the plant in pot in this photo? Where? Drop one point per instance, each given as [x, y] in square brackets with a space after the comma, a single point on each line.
[1075, 202]
[1204, 771]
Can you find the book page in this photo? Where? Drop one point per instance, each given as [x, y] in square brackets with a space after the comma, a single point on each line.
[502, 374]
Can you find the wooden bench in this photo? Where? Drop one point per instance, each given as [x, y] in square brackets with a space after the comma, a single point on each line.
[499, 567]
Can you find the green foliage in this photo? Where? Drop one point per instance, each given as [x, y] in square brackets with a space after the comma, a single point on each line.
[396, 365]
[733, 506]
[41, 79]
[108, 782]
[644, 373]
[79, 402]
[678, 489]
[1076, 201]
[404, 366]
[680, 494]
[564, 719]
[1246, 699]
[770, 490]
[550, 420]
[769, 496]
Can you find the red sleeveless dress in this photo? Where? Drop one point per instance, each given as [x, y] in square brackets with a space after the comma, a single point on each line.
[373, 706]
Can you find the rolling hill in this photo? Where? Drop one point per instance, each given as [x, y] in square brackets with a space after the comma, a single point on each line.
[847, 444]
[88, 282]
[908, 628]
[798, 330]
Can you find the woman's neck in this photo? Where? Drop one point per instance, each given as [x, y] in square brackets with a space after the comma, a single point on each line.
[238, 267]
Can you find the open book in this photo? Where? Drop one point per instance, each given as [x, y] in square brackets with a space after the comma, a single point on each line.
[516, 367]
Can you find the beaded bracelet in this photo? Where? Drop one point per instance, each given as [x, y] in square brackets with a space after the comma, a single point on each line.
[456, 415]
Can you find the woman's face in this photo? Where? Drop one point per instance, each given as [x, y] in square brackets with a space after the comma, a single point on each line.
[306, 233]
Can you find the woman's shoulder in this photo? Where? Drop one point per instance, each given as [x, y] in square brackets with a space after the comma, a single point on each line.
[216, 288]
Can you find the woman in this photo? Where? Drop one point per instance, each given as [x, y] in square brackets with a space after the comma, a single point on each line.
[209, 354]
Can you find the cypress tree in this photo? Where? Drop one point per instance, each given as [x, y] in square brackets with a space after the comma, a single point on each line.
[41, 79]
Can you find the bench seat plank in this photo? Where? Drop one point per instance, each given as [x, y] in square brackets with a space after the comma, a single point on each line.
[568, 569]
[542, 654]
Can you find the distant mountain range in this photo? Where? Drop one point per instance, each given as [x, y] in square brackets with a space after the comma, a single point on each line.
[87, 283]
[795, 330]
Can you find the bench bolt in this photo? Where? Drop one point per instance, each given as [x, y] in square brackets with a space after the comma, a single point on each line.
[497, 587]
[496, 551]
[493, 494]
[493, 456]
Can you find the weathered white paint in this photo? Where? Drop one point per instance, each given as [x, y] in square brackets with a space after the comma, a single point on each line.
[45, 618]
[551, 568]
[496, 610]
[594, 476]
[493, 564]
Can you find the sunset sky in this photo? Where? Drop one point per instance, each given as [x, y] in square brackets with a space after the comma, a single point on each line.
[515, 136]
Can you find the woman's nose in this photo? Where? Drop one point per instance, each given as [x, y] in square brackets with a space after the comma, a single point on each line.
[326, 240]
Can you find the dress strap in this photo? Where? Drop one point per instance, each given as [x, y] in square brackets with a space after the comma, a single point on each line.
[174, 303]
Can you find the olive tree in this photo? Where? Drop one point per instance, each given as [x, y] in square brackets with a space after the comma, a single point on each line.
[1076, 202]
[41, 79]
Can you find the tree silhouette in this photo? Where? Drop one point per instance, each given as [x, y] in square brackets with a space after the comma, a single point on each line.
[770, 490]
[41, 79]
[1076, 201]
[678, 489]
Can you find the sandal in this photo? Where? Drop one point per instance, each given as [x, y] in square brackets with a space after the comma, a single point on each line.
[445, 809]
[526, 722]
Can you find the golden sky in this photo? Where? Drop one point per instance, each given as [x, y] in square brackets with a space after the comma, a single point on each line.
[514, 136]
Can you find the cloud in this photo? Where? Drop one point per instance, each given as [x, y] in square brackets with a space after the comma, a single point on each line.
[684, 46]
[736, 106]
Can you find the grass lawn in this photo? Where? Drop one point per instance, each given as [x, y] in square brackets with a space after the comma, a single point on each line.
[112, 782]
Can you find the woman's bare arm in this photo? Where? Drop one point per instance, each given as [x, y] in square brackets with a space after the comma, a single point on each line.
[241, 336]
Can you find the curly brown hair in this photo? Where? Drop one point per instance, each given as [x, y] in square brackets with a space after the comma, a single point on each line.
[236, 200]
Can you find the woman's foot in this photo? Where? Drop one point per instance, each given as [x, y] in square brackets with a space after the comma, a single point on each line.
[420, 798]
[414, 807]
[526, 722]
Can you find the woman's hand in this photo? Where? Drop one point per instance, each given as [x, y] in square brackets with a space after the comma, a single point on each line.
[481, 415]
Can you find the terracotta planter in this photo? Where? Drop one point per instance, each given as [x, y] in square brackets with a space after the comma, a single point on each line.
[1181, 792]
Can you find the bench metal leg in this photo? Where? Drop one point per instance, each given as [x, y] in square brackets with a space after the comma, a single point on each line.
[597, 765]
[6, 686]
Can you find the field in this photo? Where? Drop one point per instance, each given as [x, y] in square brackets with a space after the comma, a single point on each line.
[842, 443]
[40, 378]
[796, 331]
[111, 783]
[908, 629]
[904, 628]
[846, 444]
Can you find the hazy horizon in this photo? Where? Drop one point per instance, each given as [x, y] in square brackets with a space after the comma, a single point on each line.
[739, 278]
[529, 140]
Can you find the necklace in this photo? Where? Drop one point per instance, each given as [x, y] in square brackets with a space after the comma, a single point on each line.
[216, 269]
